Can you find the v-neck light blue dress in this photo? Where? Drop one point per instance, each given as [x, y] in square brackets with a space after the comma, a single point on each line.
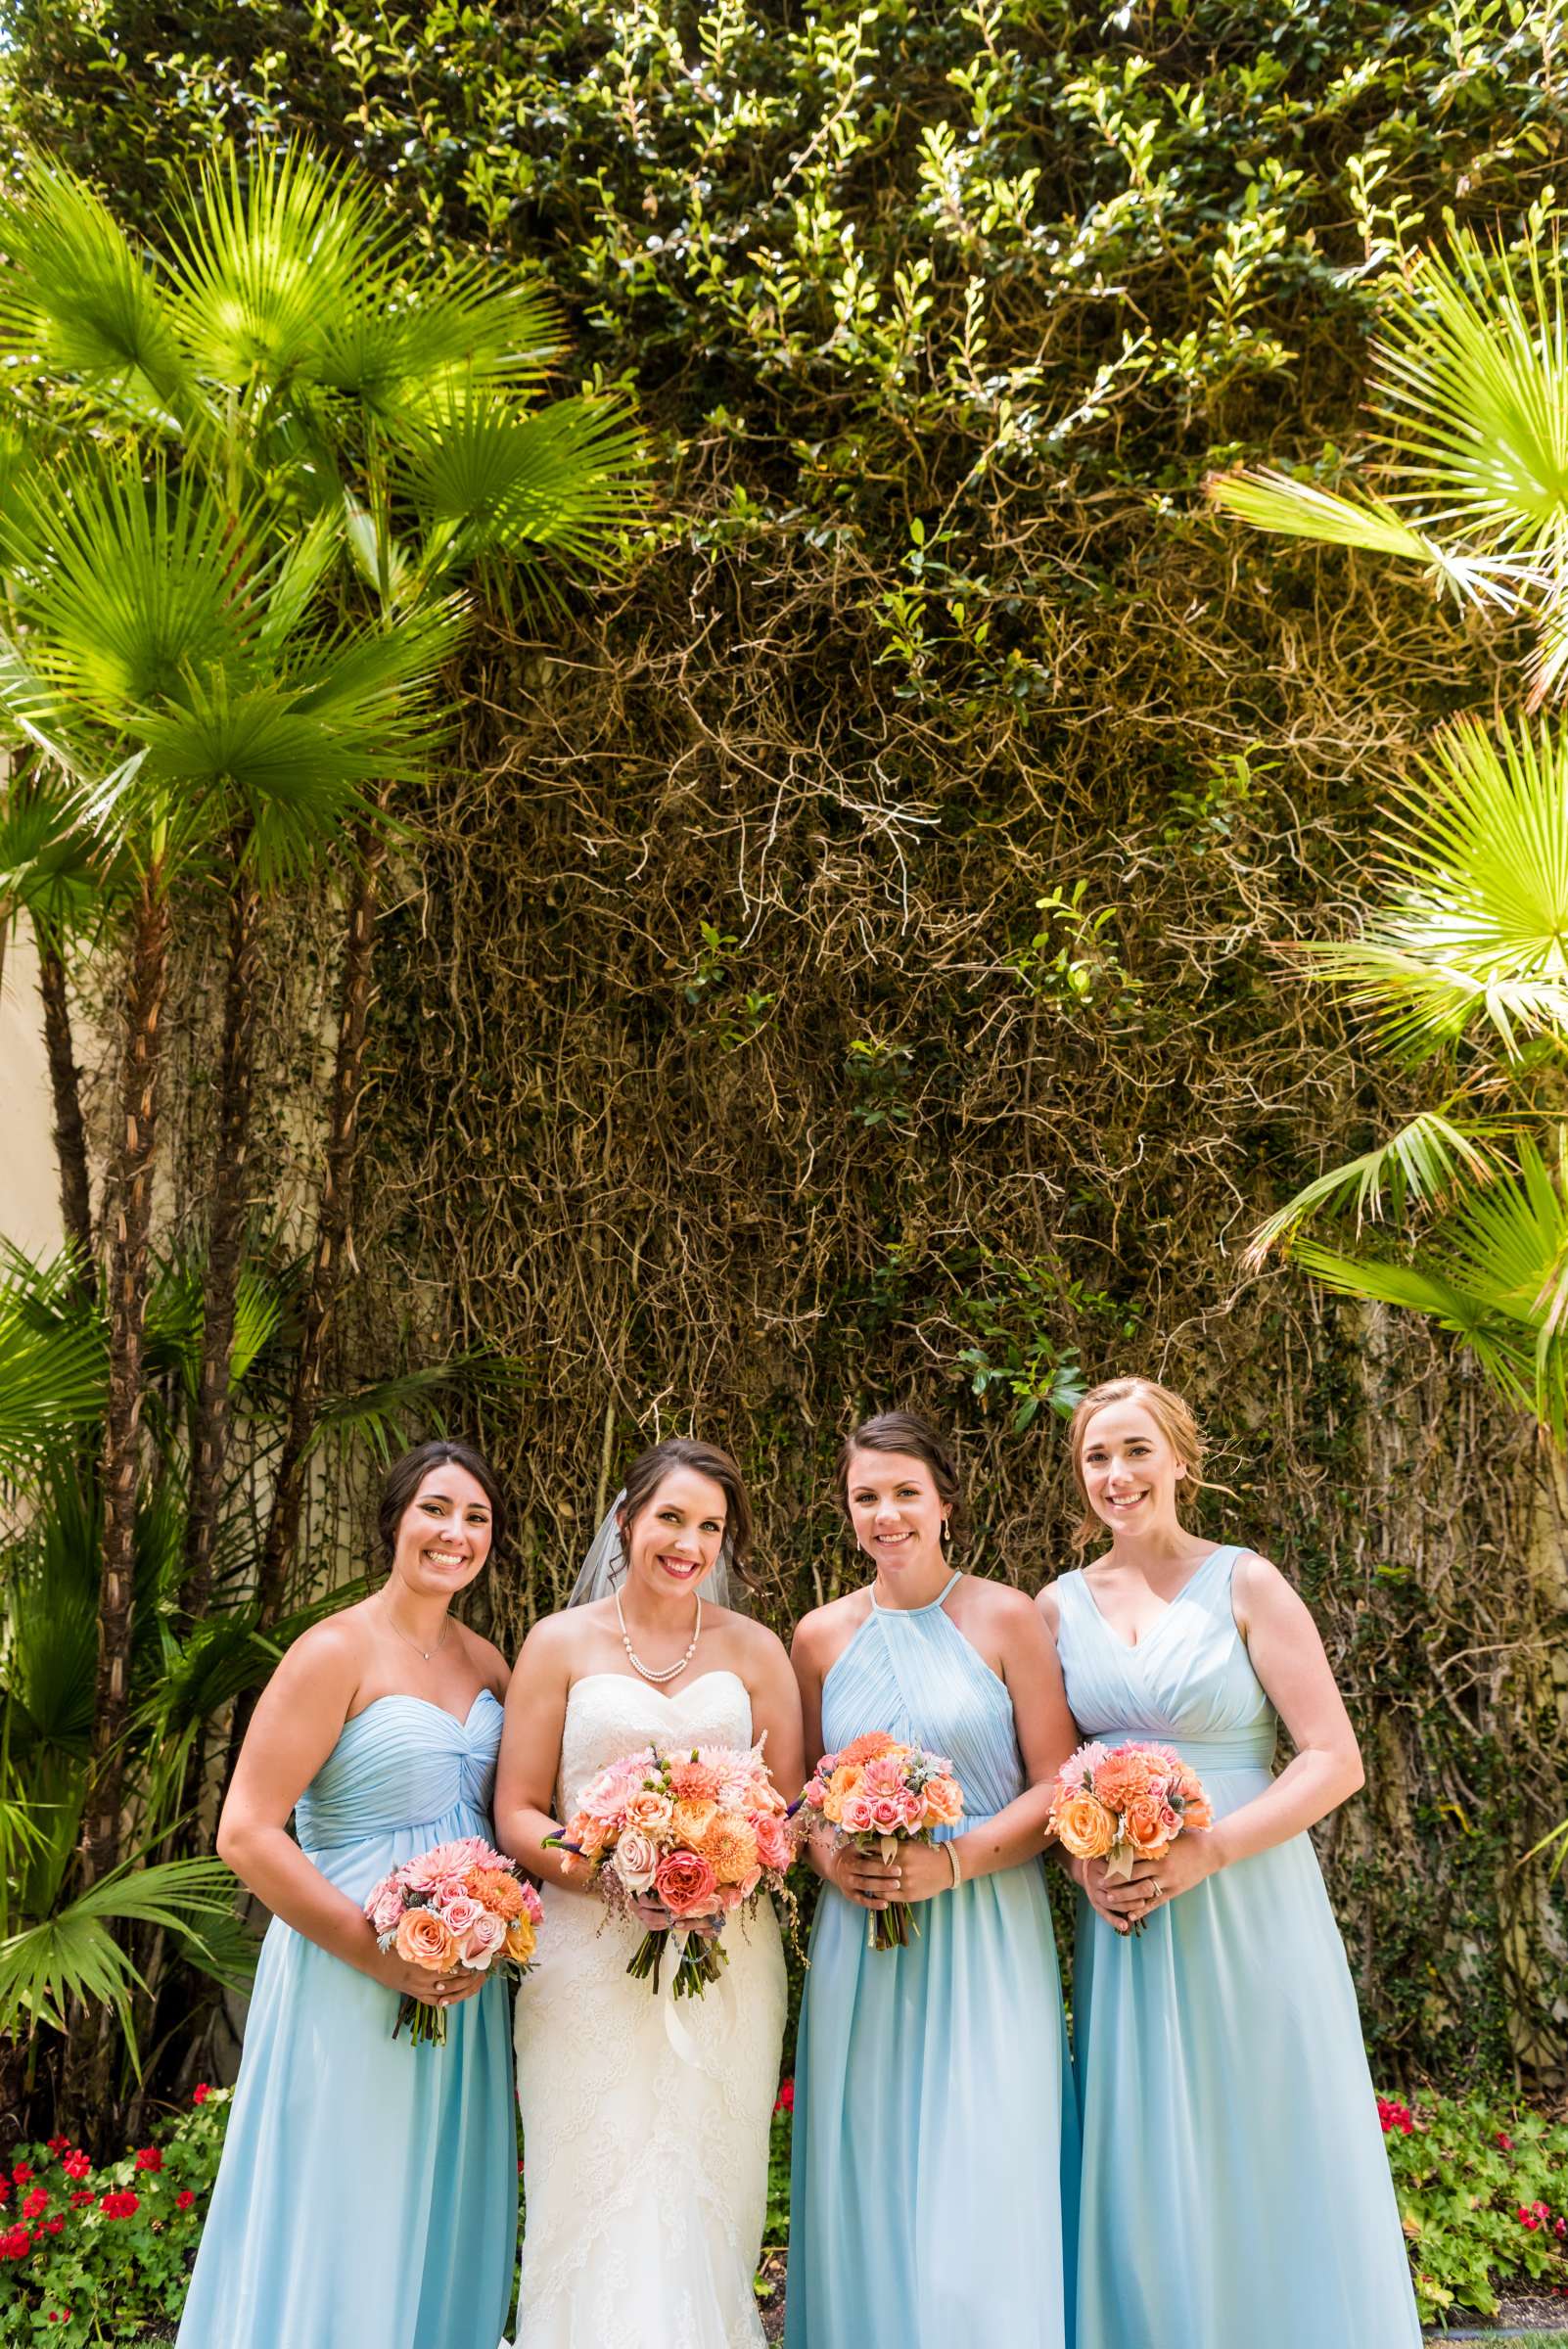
[367, 2197]
[926, 2207]
[1235, 2193]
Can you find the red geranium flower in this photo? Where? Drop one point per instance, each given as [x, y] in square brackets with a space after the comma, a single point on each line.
[149, 2158]
[784, 2102]
[183, 2201]
[80, 2201]
[1505, 2142]
[119, 2206]
[1395, 2115]
[59, 2144]
[53, 2225]
[36, 2204]
[199, 2092]
[20, 2173]
[14, 2244]
[77, 2164]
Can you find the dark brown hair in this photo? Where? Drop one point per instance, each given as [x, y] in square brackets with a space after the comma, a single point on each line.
[650, 1468]
[404, 1477]
[906, 1432]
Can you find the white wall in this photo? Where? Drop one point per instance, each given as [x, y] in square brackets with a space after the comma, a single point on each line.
[29, 1189]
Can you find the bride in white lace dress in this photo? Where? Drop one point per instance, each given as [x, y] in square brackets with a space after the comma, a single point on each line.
[645, 2124]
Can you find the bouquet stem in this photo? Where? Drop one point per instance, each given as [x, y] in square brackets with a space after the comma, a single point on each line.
[893, 1928]
[427, 2025]
[701, 1961]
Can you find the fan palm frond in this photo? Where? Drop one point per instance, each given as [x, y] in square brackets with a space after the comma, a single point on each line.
[1476, 927]
[51, 1379]
[1496, 1273]
[270, 250]
[1431, 1159]
[76, 297]
[487, 480]
[73, 1953]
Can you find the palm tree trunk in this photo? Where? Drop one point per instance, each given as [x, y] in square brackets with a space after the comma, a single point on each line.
[126, 1273]
[225, 1249]
[70, 1133]
[331, 1248]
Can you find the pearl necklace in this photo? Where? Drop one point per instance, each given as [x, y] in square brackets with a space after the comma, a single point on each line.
[670, 1672]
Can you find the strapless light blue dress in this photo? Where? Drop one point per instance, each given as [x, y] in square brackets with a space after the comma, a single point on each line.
[367, 2197]
[1236, 2191]
[927, 2203]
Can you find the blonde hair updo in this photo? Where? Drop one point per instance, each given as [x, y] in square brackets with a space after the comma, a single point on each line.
[1172, 1415]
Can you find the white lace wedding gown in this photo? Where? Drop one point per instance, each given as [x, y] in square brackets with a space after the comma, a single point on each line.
[645, 2170]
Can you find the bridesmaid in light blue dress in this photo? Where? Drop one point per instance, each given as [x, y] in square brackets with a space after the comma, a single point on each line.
[367, 2196]
[1236, 2191]
[931, 2093]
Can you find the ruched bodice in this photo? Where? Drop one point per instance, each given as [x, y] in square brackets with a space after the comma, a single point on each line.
[608, 1714]
[368, 2189]
[401, 1768]
[1188, 1682]
[912, 1672]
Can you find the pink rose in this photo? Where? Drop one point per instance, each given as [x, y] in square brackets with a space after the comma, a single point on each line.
[387, 1909]
[482, 1939]
[776, 1842]
[887, 1813]
[462, 1913]
[685, 1883]
[913, 1807]
[858, 1819]
[636, 1861]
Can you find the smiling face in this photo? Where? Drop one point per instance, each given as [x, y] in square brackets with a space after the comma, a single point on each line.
[444, 1535]
[1130, 1472]
[896, 1511]
[673, 1541]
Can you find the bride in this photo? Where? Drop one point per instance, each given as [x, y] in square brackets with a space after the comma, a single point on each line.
[645, 2125]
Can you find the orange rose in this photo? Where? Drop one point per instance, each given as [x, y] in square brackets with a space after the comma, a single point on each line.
[690, 1822]
[944, 1800]
[494, 1890]
[1084, 1826]
[423, 1940]
[521, 1939]
[1120, 1779]
[649, 1811]
[729, 1848]
[1145, 1824]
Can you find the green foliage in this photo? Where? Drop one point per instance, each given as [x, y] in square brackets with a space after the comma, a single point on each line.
[1483, 2192]
[77, 2272]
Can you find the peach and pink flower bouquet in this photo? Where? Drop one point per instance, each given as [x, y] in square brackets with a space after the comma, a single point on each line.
[876, 1793]
[687, 1837]
[459, 1907]
[1126, 1803]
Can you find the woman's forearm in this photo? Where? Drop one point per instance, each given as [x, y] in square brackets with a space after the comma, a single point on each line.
[522, 1832]
[1013, 1837]
[1311, 1785]
[268, 1861]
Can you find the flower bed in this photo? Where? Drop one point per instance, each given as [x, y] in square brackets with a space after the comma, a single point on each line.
[101, 2253]
[1483, 2188]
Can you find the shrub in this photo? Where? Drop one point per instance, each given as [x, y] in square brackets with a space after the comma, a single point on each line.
[102, 2252]
[1483, 2190]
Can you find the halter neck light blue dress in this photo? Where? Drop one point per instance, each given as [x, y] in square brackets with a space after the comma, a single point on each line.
[367, 2197]
[926, 2205]
[1235, 2193]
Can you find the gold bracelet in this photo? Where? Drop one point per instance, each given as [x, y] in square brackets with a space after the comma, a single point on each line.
[952, 1850]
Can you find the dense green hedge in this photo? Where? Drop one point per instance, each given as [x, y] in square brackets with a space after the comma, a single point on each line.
[841, 962]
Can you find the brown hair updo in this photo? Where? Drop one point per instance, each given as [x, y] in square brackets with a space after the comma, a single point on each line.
[649, 1470]
[906, 1432]
[404, 1477]
[1171, 1414]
